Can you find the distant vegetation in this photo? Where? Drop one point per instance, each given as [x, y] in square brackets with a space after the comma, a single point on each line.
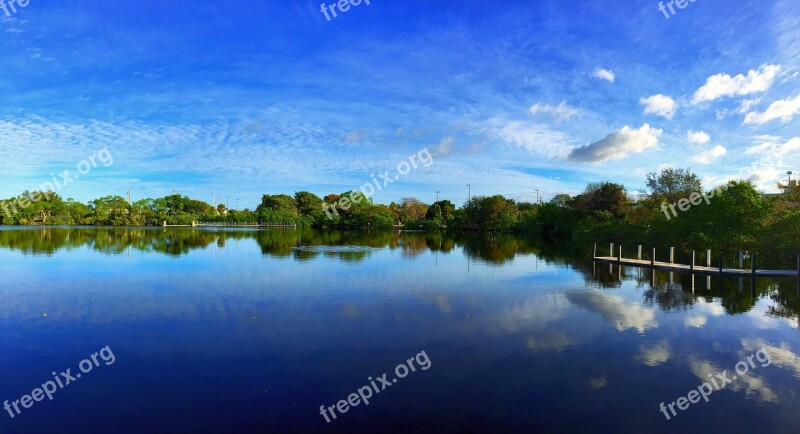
[738, 217]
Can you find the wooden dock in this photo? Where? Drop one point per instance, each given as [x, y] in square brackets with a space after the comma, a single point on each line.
[693, 267]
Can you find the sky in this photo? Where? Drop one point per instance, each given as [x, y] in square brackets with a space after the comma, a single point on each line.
[244, 98]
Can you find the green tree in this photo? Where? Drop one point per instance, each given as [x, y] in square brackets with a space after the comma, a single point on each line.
[672, 184]
[603, 196]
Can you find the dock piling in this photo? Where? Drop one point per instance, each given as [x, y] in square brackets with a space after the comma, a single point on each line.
[692, 265]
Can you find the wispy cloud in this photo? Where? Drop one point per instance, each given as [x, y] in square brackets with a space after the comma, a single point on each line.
[561, 111]
[723, 85]
[710, 155]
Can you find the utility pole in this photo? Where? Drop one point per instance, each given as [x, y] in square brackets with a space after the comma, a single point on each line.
[537, 196]
[437, 196]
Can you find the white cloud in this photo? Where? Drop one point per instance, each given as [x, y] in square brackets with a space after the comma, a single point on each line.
[747, 383]
[699, 137]
[445, 147]
[767, 161]
[605, 74]
[561, 111]
[723, 85]
[710, 155]
[654, 356]
[696, 321]
[783, 109]
[617, 145]
[536, 311]
[782, 356]
[773, 149]
[660, 105]
[616, 310]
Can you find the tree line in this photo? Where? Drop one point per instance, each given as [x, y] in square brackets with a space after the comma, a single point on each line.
[737, 217]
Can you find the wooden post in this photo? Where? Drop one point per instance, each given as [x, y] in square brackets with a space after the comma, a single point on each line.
[594, 251]
[708, 257]
[753, 264]
[691, 267]
[619, 255]
[672, 255]
[741, 259]
[653, 258]
[611, 250]
[639, 255]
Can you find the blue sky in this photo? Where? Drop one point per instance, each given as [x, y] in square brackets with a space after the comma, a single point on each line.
[250, 97]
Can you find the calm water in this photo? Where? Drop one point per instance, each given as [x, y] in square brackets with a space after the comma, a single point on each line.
[253, 331]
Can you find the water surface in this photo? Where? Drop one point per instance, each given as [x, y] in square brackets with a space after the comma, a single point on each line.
[253, 331]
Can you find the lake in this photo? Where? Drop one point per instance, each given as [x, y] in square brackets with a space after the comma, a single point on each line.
[233, 331]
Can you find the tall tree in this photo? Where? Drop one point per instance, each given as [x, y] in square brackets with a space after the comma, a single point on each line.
[603, 197]
[672, 184]
[412, 209]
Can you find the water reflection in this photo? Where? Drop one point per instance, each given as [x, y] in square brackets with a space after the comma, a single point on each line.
[298, 244]
[708, 295]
